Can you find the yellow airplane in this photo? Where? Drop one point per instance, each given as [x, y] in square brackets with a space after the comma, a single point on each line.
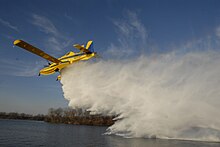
[57, 65]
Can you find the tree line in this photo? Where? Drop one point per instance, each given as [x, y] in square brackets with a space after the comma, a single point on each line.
[63, 115]
[15, 115]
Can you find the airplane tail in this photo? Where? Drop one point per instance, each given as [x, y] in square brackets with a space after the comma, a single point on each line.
[89, 46]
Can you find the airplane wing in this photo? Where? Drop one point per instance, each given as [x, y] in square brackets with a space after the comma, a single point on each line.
[81, 48]
[35, 50]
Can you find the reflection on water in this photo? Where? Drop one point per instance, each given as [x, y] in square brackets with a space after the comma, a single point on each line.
[33, 133]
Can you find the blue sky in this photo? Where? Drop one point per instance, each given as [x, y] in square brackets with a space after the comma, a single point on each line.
[139, 26]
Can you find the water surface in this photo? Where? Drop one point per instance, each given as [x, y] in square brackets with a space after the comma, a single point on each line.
[34, 133]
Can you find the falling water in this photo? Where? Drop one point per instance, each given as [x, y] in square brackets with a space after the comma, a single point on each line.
[173, 96]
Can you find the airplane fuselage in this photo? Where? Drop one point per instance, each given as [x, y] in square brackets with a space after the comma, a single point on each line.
[66, 60]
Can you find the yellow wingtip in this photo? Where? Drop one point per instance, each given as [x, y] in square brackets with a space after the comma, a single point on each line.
[16, 42]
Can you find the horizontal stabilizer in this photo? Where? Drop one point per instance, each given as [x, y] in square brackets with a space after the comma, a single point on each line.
[81, 48]
[35, 50]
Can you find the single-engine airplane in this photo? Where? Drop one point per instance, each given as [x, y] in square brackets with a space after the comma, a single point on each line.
[86, 52]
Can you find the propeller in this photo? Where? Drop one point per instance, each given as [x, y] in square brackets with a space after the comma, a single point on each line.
[48, 62]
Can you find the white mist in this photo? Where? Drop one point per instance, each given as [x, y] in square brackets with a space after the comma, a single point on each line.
[170, 96]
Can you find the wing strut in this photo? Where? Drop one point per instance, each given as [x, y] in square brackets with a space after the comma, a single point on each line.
[35, 50]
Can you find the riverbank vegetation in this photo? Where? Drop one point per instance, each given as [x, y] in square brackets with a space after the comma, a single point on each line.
[23, 116]
[77, 117]
[63, 115]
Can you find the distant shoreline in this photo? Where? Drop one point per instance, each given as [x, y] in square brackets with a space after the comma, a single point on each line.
[22, 116]
[92, 120]
[22, 120]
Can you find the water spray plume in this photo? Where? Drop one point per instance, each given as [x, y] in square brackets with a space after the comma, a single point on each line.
[172, 96]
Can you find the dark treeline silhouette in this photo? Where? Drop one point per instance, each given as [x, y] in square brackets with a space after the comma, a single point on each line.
[15, 115]
[63, 115]
[77, 117]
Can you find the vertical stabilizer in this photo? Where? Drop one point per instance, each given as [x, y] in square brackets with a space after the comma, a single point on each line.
[89, 46]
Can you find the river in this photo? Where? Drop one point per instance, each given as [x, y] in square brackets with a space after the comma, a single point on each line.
[35, 133]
